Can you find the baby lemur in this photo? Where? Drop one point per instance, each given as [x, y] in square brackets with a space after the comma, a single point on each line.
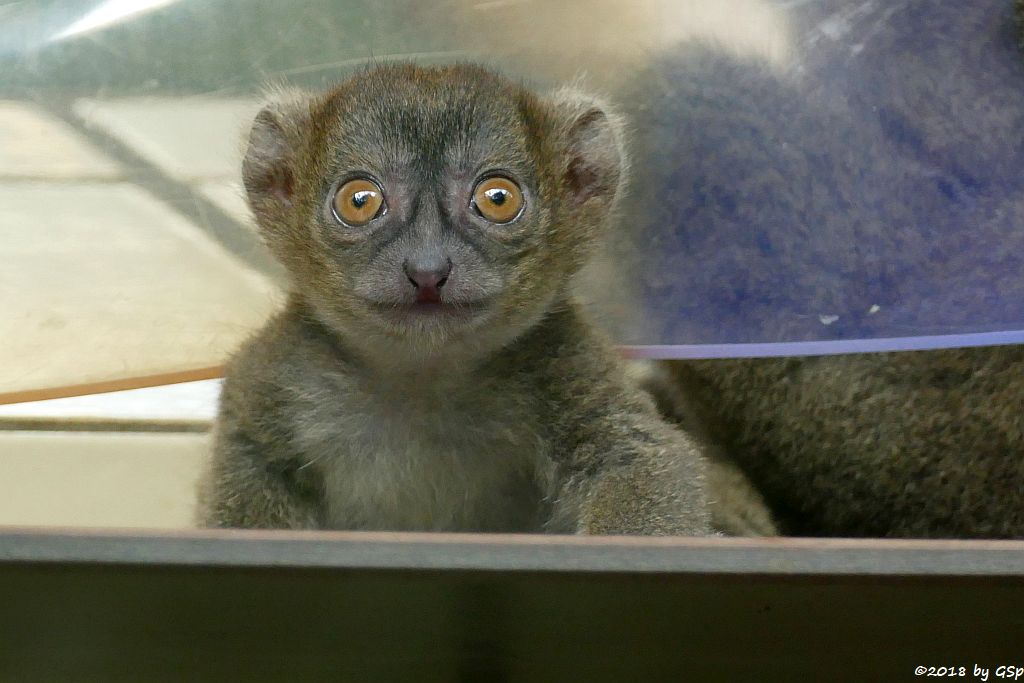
[431, 370]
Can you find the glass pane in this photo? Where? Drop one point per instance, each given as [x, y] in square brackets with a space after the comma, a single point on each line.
[867, 193]
[817, 171]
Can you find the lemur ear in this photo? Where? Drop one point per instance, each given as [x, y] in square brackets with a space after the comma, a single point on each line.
[268, 170]
[595, 156]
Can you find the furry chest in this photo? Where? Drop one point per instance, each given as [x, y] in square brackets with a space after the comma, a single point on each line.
[434, 470]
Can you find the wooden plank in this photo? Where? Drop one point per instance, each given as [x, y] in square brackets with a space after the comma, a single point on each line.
[100, 479]
[270, 606]
[106, 316]
[515, 552]
[119, 384]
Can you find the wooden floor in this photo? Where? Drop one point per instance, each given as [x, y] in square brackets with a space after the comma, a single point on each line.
[269, 606]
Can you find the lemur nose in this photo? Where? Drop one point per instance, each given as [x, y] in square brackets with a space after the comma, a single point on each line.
[428, 274]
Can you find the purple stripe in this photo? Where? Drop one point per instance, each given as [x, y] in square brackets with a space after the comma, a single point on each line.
[823, 348]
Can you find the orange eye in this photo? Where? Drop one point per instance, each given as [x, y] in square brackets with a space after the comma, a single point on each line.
[358, 202]
[498, 199]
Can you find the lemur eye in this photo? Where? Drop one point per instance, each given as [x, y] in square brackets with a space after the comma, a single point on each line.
[358, 202]
[498, 199]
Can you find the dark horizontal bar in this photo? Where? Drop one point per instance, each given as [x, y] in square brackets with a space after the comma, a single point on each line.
[528, 553]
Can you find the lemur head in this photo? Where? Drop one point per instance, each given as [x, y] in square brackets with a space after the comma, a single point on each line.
[432, 212]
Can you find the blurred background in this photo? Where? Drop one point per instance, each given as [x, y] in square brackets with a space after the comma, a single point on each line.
[809, 176]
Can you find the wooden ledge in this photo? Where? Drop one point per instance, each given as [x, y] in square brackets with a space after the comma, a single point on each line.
[504, 553]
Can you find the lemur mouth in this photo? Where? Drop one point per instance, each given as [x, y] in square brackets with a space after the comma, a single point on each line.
[429, 307]
[438, 307]
[433, 308]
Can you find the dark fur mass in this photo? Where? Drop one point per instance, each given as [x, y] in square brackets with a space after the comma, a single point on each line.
[498, 409]
[1019, 8]
[916, 444]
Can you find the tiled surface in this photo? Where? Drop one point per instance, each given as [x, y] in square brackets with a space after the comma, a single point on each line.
[34, 144]
[189, 138]
[100, 479]
[101, 281]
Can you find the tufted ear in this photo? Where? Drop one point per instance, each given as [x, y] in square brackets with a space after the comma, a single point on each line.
[595, 155]
[268, 169]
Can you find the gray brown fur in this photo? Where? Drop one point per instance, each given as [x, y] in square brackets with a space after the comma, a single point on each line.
[915, 444]
[737, 507]
[518, 419]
